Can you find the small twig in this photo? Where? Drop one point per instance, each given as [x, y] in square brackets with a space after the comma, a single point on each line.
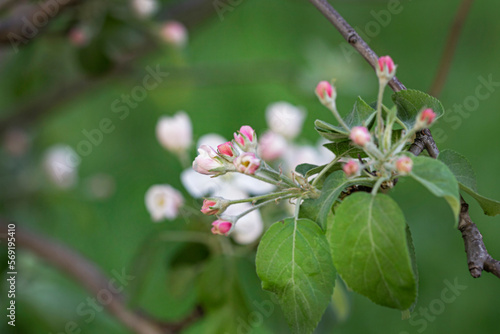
[93, 279]
[450, 48]
[353, 38]
[478, 257]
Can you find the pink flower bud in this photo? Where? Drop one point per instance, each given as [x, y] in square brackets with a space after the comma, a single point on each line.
[214, 206]
[247, 163]
[227, 151]
[221, 227]
[427, 117]
[325, 92]
[246, 139]
[207, 162]
[272, 146]
[351, 168]
[360, 135]
[404, 165]
[386, 69]
[208, 207]
[174, 33]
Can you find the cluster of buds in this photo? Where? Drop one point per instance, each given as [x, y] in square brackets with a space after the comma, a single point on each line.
[228, 158]
[238, 155]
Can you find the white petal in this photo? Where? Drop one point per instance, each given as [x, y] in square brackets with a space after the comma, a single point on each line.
[199, 185]
[248, 229]
[211, 139]
[285, 119]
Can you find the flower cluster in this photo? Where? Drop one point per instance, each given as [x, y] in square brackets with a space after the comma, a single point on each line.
[384, 160]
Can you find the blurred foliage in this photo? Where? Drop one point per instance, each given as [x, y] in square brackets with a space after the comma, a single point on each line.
[261, 52]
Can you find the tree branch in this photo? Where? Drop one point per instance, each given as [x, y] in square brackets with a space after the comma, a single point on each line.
[478, 257]
[353, 38]
[450, 48]
[477, 254]
[12, 27]
[93, 279]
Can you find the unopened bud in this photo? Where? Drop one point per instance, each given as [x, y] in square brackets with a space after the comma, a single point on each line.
[246, 138]
[214, 206]
[326, 93]
[386, 70]
[404, 165]
[227, 151]
[360, 135]
[351, 168]
[425, 118]
[221, 227]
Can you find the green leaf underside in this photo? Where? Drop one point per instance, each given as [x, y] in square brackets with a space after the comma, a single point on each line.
[303, 169]
[410, 102]
[318, 209]
[361, 114]
[462, 169]
[341, 147]
[438, 179]
[370, 250]
[294, 262]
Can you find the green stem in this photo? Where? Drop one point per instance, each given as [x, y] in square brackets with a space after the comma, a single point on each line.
[279, 176]
[378, 184]
[380, 122]
[258, 198]
[403, 140]
[255, 207]
[324, 170]
[297, 209]
[333, 108]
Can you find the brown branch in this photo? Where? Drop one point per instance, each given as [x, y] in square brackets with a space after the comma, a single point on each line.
[478, 257]
[93, 279]
[450, 48]
[353, 38]
[477, 254]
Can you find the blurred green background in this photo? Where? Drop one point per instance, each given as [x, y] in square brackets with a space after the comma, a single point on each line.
[232, 68]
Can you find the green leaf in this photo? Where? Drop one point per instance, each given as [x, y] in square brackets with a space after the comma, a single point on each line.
[294, 262]
[304, 168]
[438, 179]
[361, 114]
[410, 102]
[370, 250]
[462, 169]
[345, 147]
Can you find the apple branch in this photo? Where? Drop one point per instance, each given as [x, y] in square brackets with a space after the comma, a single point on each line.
[478, 257]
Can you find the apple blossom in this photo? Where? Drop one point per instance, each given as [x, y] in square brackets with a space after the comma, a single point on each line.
[360, 135]
[60, 163]
[174, 33]
[272, 146]
[144, 8]
[208, 162]
[285, 119]
[175, 133]
[163, 201]
[247, 163]
[221, 227]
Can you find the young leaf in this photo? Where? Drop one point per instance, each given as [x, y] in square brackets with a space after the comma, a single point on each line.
[370, 249]
[410, 102]
[294, 262]
[361, 114]
[304, 168]
[319, 209]
[438, 179]
[462, 169]
[341, 147]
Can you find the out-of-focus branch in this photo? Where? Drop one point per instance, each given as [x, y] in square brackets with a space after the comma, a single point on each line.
[13, 29]
[93, 279]
[450, 48]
